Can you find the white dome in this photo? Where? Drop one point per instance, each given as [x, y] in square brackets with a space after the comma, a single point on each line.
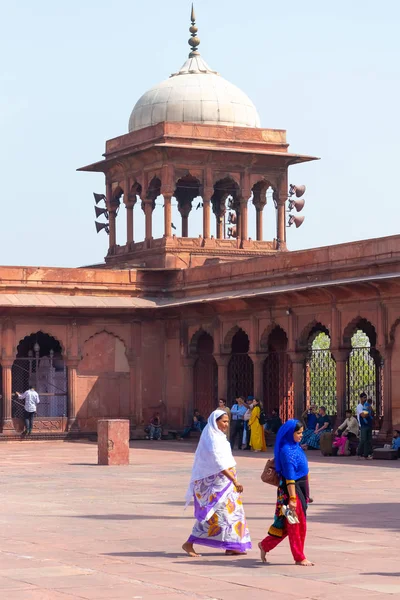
[195, 94]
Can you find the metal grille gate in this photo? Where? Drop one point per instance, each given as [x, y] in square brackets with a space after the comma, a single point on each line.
[240, 376]
[320, 380]
[50, 383]
[278, 385]
[365, 374]
[205, 382]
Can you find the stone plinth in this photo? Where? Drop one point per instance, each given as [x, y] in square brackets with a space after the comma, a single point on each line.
[113, 441]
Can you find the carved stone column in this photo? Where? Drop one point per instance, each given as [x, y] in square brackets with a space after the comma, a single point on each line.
[130, 201]
[148, 206]
[184, 208]
[258, 364]
[298, 362]
[387, 425]
[280, 197]
[207, 212]
[6, 412]
[222, 361]
[219, 208]
[72, 365]
[167, 213]
[259, 201]
[243, 219]
[340, 357]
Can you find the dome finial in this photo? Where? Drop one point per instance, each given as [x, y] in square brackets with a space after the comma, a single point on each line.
[194, 41]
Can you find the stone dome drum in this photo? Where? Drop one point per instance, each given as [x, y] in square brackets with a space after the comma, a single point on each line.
[195, 94]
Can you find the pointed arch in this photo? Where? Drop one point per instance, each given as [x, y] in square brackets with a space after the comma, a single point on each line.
[48, 333]
[359, 323]
[196, 339]
[231, 334]
[308, 334]
[274, 338]
[392, 333]
[110, 332]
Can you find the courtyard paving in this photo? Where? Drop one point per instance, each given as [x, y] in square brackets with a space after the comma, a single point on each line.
[73, 530]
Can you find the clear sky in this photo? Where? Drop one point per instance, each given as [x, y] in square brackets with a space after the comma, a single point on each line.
[72, 70]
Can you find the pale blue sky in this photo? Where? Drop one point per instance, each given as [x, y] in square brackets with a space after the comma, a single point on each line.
[71, 72]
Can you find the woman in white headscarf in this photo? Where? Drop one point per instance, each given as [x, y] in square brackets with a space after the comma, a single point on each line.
[218, 509]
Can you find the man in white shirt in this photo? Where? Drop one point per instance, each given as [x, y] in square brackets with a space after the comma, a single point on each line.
[360, 405]
[31, 398]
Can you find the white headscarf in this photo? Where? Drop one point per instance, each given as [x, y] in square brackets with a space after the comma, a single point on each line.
[213, 453]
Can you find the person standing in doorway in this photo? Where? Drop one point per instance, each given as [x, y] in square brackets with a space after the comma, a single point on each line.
[238, 411]
[31, 398]
[360, 406]
[366, 425]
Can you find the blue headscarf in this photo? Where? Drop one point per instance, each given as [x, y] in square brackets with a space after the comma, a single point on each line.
[284, 438]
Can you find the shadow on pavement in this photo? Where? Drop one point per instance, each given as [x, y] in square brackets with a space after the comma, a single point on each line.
[366, 516]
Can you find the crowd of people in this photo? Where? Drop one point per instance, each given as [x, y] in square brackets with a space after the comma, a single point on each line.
[249, 428]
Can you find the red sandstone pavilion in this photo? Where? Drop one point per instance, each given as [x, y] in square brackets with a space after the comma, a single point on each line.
[174, 323]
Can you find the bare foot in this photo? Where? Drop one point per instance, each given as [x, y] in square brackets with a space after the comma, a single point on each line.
[263, 553]
[305, 563]
[190, 551]
[234, 553]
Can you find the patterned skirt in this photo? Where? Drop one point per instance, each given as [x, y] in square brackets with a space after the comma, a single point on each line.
[311, 439]
[219, 513]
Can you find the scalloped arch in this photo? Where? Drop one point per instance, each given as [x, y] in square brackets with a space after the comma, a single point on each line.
[364, 325]
[264, 339]
[47, 332]
[392, 333]
[110, 332]
[313, 327]
[195, 338]
[230, 335]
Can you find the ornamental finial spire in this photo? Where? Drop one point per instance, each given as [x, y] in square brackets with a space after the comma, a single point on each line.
[194, 41]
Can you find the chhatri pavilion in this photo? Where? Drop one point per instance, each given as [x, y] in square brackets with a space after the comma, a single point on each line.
[173, 323]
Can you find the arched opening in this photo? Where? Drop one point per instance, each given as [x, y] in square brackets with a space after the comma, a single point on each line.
[364, 370]
[187, 189]
[226, 192]
[320, 371]
[240, 367]
[39, 363]
[205, 376]
[278, 376]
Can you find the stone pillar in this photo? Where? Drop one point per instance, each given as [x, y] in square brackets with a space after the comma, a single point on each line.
[259, 201]
[298, 362]
[184, 210]
[167, 214]
[130, 204]
[6, 412]
[222, 361]
[243, 220]
[112, 227]
[113, 441]
[72, 365]
[188, 363]
[258, 364]
[340, 357]
[148, 207]
[207, 213]
[387, 425]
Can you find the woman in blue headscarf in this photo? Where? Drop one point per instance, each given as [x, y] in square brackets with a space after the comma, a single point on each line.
[292, 467]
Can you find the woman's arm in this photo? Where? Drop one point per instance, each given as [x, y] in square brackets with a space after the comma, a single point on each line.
[229, 475]
[255, 414]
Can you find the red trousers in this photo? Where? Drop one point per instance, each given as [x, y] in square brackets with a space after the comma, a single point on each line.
[296, 534]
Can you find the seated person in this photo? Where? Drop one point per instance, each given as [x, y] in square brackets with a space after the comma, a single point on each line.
[396, 440]
[323, 425]
[309, 418]
[347, 432]
[198, 423]
[274, 423]
[155, 428]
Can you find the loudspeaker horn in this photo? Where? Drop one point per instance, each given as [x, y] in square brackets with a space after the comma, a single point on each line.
[98, 197]
[295, 220]
[100, 226]
[299, 190]
[232, 218]
[232, 232]
[100, 212]
[297, 204]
